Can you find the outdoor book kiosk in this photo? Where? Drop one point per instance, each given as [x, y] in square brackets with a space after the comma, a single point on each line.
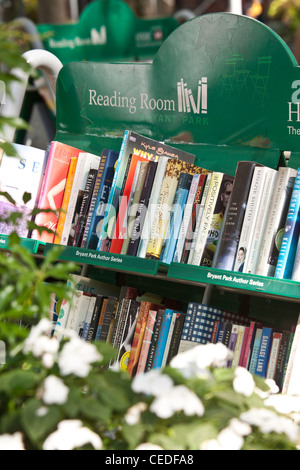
[222, 86]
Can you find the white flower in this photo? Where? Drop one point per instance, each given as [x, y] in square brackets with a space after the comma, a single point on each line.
[40, 344]
[240, 428]
[148, 446]
[284, 404]
[71, 435]
[179, 398]
[229, 440]
[243, 382]
[11, 441]
[152, 383]
[77, 356]
[133, 414]
[268, 421]
[197, 360]
[54, 391]
[42, 411]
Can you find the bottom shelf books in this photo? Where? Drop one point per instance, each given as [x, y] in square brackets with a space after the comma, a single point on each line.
[147, 330]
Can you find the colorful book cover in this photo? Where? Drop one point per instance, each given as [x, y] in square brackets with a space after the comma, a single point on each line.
[127, 330]
[99, 198]
[169, 339]
[142, 208]
[166, 198]
[275, 222]
[162, 339]
[66, 198]
[287, 253]
[264, 352]
[138, 337]
[85, 162]
[194, 215]
[212, 219]
[125, 294]
[249, 340]
[120, 229]
[137, 144]
[176, 216]
[100, 319]
[146, 341]
[249, 222]
[231, 228]
[186, 218]
[53, 188]
[95, 318]
[108, 317]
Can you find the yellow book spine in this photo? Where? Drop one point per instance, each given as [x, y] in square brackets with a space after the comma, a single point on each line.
[66, 198]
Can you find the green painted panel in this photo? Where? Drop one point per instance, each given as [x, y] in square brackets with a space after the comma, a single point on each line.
[220, 79]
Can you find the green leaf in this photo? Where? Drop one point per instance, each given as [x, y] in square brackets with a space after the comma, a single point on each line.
[18, 381]
[91, 408]
[39, 421]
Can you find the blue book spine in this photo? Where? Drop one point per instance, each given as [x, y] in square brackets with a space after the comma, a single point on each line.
[176, 216]
[255, 351]
[264, 352]
[161, 344]
[111, 209]
[287, 253]
[101, 199]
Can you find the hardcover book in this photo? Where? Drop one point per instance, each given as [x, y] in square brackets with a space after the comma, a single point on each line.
[264, 352]
[66, 199]
[231, 228]
[219, 192]
[137, 144]
[287, 253]
[275, 221]
[18, 175]
[52, 191]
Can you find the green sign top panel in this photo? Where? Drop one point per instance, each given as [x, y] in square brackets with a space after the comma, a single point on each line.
[107, 30]
[218, 79]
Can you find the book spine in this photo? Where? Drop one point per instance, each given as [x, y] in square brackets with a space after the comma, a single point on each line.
[108, 317]
[168, 340]
[192, 223]
[111, 210]
[238, 346]
[206, 218]
[88, 319]
[161, 344]
[86, 198]
[186, 218]
[156, 187]
[291, 376]
[142, 210]
[74, 312]
[264, 352]
[259, 228]
[174, 344]
[232, 341]
[137, 338]
[255, 351]
[101, 317]
[62, 319]
[154, 341]
[250, 217]
[275, 221]
[282, 353]
[274, 352]
[176, 216]
[83, 311]
[146, 341]
[95, 318]
[231, 227]
[286, 257]
[128, 334]
[94, 198]
[197, 221]
[249, 345]
[66, 198]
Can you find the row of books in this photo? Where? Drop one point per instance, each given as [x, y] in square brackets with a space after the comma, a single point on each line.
[147, 331]
[150, 200]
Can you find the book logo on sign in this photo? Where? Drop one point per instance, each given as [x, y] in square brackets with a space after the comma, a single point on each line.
[187, 102]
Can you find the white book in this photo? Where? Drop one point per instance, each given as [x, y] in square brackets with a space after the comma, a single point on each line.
[276, 340]
[20, 174]
[74, 312]
[153, 201]
[283, 187]
[88, 318]
[86, 161]
[206, 219]
[250, 217]
[199, 215]
[186, 219]
[259, 227]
